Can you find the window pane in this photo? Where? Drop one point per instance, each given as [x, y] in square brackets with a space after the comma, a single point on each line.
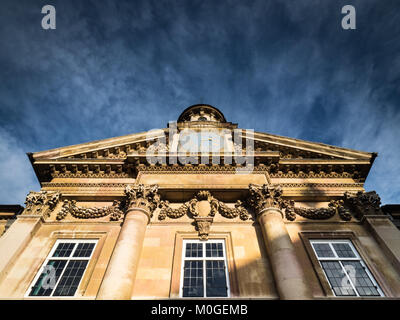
[71, 278]
[194, 250]
[360, 278]
[193, 279]
[214, 250]
[45, 284]
[337, 278]
[343, 250]
[323, 250]
[64, 249]
[84, 250]
[216, 278]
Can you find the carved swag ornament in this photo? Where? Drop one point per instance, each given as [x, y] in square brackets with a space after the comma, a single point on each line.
[203, 208]
[191, 207]
[144, 197]
[69, 206]
[270, 196]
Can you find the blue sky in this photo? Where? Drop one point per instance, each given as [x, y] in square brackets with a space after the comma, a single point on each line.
[117, 67]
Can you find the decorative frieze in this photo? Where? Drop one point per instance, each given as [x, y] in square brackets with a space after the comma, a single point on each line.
[83, 185]
[321, 185]
[203, 204]
[270, 196]
[93, 174]
[167, 211]
[114, 211]
[312, 174]
[190, 168]
[334, 206]
[202, 208]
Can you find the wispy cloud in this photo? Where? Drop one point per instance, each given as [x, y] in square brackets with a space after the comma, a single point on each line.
[117, 67]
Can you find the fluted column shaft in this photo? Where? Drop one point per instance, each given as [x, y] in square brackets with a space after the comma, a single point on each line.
[289, 277]
[121, 272]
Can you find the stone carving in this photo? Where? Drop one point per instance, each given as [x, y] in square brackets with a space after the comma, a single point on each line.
[271, 169]
[190, 168]
[321, 185]
[167, 211]
[335, 206]
[53, 199]
[141, 196]
[100, 174]
[203, 226]
[265, 196]
[238, 210]
[203, 204]
[145, 197]
[42, 202]
[83, 185]
[69, 206]
[270, 196]
[120, 155]
[364, 203]
[321, 174]
[158, 147]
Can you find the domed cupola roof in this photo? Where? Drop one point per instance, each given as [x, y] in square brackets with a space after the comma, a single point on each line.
[202, 112]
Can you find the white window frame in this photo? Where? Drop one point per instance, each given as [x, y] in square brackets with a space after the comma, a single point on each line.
[204, 258]
[71, 257]
[340, 259]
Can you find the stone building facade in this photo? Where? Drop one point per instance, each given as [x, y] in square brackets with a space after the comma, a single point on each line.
[201, 209]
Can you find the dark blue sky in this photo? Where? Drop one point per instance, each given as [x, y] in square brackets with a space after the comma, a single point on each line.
[117, 67]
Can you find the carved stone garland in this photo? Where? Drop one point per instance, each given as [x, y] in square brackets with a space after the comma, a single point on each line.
[270, 196]
[114, 211]
[145, 197]
[203, 208]
[334, 206]
[189, 207]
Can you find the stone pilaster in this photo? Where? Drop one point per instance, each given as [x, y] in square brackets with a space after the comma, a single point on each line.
[366, 206]
[120, 276]
[39, 205]
[289, 277]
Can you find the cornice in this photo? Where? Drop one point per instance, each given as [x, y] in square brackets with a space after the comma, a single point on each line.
[315, 147]
[123, 185]
[97, 145]
[128, 160]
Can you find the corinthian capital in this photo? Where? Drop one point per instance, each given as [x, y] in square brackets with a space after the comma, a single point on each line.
[41, 203]
[265, 196]
[364, 203]
[142, 196]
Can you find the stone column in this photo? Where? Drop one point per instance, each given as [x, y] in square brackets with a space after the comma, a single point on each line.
[289, 276]
[120, 275]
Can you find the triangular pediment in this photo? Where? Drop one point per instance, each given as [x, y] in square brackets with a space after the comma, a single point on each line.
[123, 156]
[121, 147]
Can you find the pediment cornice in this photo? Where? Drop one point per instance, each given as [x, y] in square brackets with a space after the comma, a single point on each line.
[125, 156]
